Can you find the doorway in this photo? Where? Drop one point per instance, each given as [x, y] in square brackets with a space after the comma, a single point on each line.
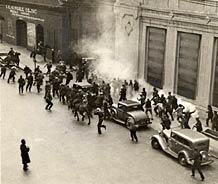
[21, 29]
[39, 34]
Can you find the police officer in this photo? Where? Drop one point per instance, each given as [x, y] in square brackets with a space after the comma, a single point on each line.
[3, 71]
[197, 164]
[21, 83]
[100, 114]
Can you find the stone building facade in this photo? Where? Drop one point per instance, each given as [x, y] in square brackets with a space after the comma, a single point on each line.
[172, 45]
[28, 22]
[63, 25]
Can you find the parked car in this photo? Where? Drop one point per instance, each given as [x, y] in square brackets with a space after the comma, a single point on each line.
[84, 86]
[129, 111]
[180, 143]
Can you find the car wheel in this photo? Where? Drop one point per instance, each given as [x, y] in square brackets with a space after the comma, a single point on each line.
[113, 113]
[155, 144]
[182, 160]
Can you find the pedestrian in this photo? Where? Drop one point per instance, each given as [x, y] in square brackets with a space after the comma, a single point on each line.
[47, 88]
[48, 100]
[215, 121]
[24, 154]
[21, 83]
[198, 125]
[209, 114]
[130, 88]
[174, 102]
[169, 109]
[11, 52]
[186, 118]
[123, 93]
[49, 66]
[53, 55]
[29, 82]
[12, 75]
[197, 158]
[165, 121]
[144, 93]
[136, 86]
[133, 128]
[39, 82]
[179, 112]
[106, 111]
[142, 99]
[148, 108]
[170, 97]
[100, 114]
[69, 77]
[55, 87]
[27, 70]
[3, 71]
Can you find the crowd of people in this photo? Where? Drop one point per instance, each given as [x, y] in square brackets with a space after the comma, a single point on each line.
[101, 94]
[99, 98]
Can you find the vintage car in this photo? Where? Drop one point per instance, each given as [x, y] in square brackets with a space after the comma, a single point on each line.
[129, 111]
[180, 143]
[84, 86]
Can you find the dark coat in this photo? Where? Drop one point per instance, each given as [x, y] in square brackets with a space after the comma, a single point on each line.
[24, 154]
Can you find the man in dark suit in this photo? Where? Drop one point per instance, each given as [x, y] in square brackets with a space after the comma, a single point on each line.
[24, 154]
[197, 164]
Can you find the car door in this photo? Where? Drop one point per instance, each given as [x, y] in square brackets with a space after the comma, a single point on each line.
[174, 144]
[121, 112]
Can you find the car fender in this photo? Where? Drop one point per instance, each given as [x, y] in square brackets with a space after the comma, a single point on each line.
[186, 156]
[161, 141]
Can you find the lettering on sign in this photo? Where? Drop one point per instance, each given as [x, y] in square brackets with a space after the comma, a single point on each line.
[23, 12]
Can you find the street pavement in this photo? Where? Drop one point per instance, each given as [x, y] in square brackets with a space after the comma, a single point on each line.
[65, 151]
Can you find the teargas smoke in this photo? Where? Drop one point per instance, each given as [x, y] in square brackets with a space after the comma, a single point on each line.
[109, 69]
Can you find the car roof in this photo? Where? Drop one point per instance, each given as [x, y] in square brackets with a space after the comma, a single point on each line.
[83, 84]
[190, 135]
[129, 103]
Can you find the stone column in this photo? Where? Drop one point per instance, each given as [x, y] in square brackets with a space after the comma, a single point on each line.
[127, 37]
[205, 67]
[170, 59]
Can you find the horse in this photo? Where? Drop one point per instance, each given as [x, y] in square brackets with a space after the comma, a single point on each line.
[81, 107]
[42, 51]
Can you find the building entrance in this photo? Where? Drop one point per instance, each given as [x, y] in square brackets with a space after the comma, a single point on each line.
[21, 29]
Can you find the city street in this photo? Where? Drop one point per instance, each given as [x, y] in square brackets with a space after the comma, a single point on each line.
[64, 151]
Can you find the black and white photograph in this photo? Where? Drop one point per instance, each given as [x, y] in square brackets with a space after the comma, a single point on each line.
[109, 91]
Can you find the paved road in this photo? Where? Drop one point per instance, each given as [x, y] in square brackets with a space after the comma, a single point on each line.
[65, 151]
